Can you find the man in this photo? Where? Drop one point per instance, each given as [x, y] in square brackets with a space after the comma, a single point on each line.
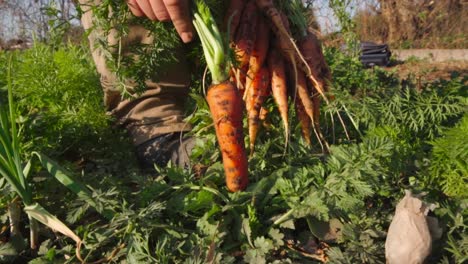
[154, 120]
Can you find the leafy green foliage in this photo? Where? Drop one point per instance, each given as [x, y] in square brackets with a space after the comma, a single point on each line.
[59, 99]
[150, 61]
[375, 97]
[449, 166]
[13, 171]
[403, 136]
[341, 9]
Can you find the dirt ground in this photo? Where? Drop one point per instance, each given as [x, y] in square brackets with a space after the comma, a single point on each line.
[429, 71]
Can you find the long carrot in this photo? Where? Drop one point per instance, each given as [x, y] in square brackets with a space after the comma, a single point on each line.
[304, 94]
[287, 44]
[301, 86]
[304, 120]
[316, 99]
[233, 16]
[278, 86]
[308, 103]
[316, 110]
[258, 93]
[311, 49]
[224, 100]
[246, 34]
[244, 41]
[259, 51]
[315, 65]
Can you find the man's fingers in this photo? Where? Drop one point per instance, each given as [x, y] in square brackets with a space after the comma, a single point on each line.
[179, 13]
[132, 4]
[159, 10]
[146, 8]
[164, 10]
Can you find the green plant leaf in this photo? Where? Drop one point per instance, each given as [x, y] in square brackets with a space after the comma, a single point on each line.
[277, 236]
[38, 212]
[7, 249]
[64, 176]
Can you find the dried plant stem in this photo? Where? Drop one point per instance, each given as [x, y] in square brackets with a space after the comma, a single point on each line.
[14, 215]
[33, 233]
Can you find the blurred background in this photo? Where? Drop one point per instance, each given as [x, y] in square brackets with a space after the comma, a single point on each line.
[400, 23]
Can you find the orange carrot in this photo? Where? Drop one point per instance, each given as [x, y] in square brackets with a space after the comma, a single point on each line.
[224, 100]
[287, 44]
[244, 42]
[316, 110]
[304, 120]
[246, 34]
[258, 93]
[259, 51]
[284, 46]
[249, 78]
[278, 86]
[260, 48]
[225, 103]
[268, 7]
[311, 49]
[304, 94]
[308, 107]
[233, 15]
[316, 98]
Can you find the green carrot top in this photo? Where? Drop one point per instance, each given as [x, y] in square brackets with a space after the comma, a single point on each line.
[214, 47]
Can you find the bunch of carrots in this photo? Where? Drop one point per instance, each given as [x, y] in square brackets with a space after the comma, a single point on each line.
[269, 61]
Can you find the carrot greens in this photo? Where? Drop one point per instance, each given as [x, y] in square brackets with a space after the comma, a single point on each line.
[214, 47]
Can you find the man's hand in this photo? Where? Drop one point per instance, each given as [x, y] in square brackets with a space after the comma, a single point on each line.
[165, 10]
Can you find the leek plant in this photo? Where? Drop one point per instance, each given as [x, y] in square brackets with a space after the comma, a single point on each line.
[16, 175]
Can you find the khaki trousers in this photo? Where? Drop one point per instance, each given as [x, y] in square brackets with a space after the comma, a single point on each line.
[160, 109]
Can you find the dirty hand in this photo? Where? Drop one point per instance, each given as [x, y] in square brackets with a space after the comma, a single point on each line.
[176, 11]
